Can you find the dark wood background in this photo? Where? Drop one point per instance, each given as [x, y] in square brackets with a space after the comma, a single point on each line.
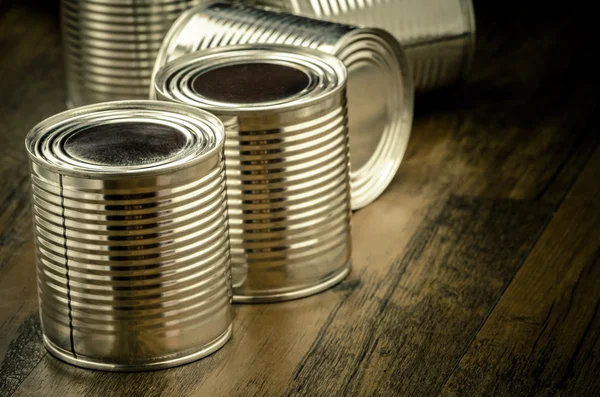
[476, 273]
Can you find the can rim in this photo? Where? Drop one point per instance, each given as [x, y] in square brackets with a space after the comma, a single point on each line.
[171, 38]
[47, 126]
[334, 69]
[369, 181]
[160, 363]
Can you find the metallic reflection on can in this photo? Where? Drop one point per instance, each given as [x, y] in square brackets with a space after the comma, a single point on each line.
[380, 91]
[110, 46]
[437, 35]
[286, 150]
[130, 219]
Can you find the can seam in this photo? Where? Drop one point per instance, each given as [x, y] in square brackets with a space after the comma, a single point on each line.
[68, 279]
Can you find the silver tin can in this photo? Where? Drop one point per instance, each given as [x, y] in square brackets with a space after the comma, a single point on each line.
[287, 162]
[110, 46]
[380, 90]
[437, 35]
[130, 218]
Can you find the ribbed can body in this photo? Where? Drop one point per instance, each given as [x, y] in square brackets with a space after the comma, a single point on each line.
[289, 204]
[379, 90]
[287, 165]
[110, 46]
[133, 271]
[437, 35]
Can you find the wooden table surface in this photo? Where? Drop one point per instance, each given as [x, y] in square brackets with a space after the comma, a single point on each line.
[476, 273]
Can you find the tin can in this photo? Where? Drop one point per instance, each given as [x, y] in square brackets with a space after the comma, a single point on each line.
[437, 35]
[130, 218]
[380, 90]
[110, 46]
[287, 162]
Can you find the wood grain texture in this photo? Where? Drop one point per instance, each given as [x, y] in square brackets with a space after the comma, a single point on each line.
[543, 336]
[435, 258]
[426, 307]
[32, 88]
[22, 355]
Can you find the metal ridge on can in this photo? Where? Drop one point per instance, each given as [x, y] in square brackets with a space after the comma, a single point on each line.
[437, 35]
[110, 46]
[287, 162]
[380, 89]
[131, 233]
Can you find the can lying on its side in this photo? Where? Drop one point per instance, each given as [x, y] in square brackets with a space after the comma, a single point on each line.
[437, 35]
[380, 90]
[286, 151]
[130, 218]
[110, 46]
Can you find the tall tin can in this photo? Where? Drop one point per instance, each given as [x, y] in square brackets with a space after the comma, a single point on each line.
[130, 219]
[380, 90]
[437, 35]
[110, 46]
[287, 162]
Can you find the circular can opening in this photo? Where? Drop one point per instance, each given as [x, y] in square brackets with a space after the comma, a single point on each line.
[125, 144]
[255, 82]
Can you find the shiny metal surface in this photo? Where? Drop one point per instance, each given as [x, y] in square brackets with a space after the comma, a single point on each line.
[380, 90]
[437, 35]
[287, 162]
[110, 46]
[130, 218]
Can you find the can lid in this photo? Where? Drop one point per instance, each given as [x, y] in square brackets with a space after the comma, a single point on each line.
[251, 78]
[236, 83]
[125, 143]
[125, 137]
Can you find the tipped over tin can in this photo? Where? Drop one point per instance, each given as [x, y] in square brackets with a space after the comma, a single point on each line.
[380, 90]
[287, 162]
[437, 35]
[132, 247]
[110, 46]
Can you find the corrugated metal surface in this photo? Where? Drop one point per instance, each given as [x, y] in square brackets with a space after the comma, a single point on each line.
[287, 167]
[110, 46]
[438, 35]
[380, 90]
[132, 245]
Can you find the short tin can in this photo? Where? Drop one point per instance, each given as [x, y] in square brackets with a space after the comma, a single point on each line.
[110, 46]
[132, 245]
[287, 162]
[437, 35]
[380, 90]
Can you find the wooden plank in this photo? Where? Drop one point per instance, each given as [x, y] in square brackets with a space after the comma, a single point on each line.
[22, 355]
[499, 153]
[543, 335]
[426, 307]
[32, 89]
